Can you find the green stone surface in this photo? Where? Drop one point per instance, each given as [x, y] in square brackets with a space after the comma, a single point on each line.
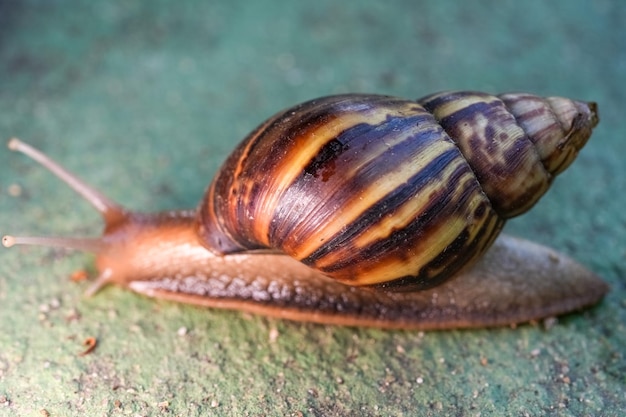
[145, 99]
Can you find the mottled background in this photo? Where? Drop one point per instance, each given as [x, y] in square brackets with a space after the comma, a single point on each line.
[145, 99]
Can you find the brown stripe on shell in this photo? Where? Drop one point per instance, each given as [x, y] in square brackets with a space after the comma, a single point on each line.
[307, 199]
[362, 183]
[459, 254]
[344, 240]
[274, 159]
[450, 213]
[503, 158]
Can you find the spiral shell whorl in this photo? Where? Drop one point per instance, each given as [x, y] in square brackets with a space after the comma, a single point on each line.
[515, 143]
[372, 190]
[557, 126]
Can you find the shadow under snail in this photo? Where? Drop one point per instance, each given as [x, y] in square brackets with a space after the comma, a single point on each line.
[363, 210]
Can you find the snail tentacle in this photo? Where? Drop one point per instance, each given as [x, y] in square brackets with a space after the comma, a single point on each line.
[109, 209]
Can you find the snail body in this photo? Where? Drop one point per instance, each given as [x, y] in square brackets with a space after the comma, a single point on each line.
[332, 197]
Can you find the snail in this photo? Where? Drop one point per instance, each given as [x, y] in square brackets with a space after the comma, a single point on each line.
[363, 210]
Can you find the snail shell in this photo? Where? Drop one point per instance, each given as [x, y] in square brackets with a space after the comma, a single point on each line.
[370, 191]
[377, 190]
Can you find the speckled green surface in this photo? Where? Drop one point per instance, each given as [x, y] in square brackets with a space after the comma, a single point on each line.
[145, 99]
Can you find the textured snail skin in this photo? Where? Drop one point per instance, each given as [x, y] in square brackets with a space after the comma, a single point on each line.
[323, 155]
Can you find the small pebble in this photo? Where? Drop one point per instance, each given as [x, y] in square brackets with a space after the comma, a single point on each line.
[15, 190]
